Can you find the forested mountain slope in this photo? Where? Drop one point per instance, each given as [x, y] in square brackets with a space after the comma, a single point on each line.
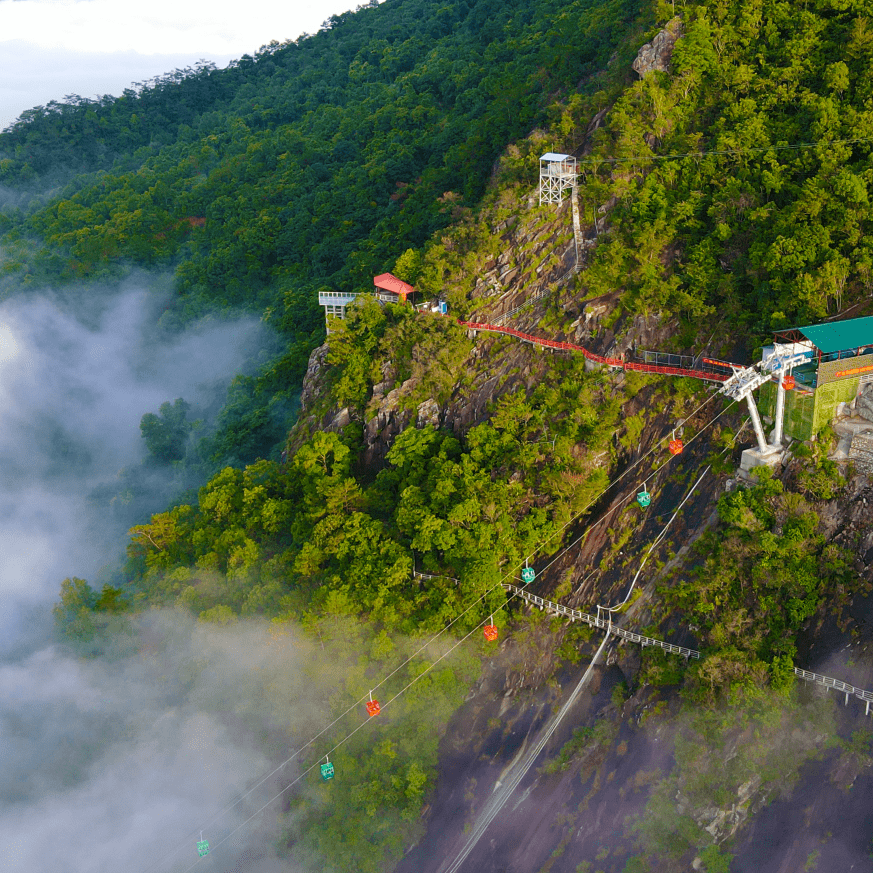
[314, 165]
[722, 197]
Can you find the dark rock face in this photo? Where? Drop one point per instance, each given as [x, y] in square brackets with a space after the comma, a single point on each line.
[389, 419]
[312, 381]
[655, 55]
[428, 414]
[864, 403]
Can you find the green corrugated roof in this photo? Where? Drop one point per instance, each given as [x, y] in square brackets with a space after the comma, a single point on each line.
[840, 335]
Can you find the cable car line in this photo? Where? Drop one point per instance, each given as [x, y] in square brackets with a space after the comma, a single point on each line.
[474, 604]
[436, 636]
[540, 745]
[800, 146]
[655, 543]
[600, 520]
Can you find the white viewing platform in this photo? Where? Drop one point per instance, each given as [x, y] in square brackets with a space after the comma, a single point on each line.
[335, 302]
[386, 288]
[557, 174]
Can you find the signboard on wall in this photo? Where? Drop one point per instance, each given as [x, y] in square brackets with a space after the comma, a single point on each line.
[847, 368]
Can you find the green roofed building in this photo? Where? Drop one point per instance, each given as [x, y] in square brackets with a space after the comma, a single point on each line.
[837, 368]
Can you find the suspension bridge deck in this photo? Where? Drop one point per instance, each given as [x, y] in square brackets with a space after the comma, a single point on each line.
[607, 625]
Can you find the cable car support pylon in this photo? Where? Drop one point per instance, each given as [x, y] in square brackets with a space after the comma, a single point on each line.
[744, 381]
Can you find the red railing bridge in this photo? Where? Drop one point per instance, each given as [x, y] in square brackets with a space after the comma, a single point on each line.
[716, 374]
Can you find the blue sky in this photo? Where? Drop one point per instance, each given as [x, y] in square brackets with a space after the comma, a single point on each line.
[51, 48]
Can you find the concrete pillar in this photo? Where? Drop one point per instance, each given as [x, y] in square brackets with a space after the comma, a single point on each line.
[776, 435]
[756, 423]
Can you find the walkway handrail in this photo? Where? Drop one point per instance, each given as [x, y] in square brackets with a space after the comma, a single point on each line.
[592, 356]
[418, 575]
[828, 682]
[605, 624]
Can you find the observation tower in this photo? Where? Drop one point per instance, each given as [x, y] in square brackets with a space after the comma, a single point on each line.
[557, 174]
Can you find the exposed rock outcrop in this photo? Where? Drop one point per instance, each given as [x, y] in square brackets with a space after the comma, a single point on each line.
[723, 822]
[864, 403]
[531, 259]
[428, 413]
[312, 381]
[655, 55]
[389, 419]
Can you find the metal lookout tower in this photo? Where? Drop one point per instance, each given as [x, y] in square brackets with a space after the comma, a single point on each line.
[557, 174]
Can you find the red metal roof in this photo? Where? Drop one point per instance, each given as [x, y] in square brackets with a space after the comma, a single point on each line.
[387, 282]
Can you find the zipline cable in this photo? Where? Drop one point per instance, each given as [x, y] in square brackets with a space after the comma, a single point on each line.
[498, 798]
[497, 801]
[655, 544]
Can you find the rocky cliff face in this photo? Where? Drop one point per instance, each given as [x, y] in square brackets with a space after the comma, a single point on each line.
[534, 257]
[614, 786]
[489, 376]
[604, 791]
[655, 56]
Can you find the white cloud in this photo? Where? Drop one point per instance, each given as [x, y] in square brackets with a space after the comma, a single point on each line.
[8, 346]
[117, 764]
[161, 26]
[51, 48]
[33, 75]
[72, 398]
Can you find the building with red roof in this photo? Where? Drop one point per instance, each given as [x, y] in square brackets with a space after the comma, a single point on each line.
[389, 289]
[394, 286]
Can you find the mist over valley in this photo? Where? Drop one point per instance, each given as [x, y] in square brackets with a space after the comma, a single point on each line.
[443, 442]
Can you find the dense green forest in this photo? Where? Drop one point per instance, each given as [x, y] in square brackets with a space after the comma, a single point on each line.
[732, 195]
[315, 164]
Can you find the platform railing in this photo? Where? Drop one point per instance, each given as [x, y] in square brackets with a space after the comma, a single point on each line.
[603, 623]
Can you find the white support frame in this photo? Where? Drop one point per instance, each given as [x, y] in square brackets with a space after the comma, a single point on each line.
[557, 174]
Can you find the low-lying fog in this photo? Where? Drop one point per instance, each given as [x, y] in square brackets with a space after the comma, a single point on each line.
[75, 380]
[106, 764]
